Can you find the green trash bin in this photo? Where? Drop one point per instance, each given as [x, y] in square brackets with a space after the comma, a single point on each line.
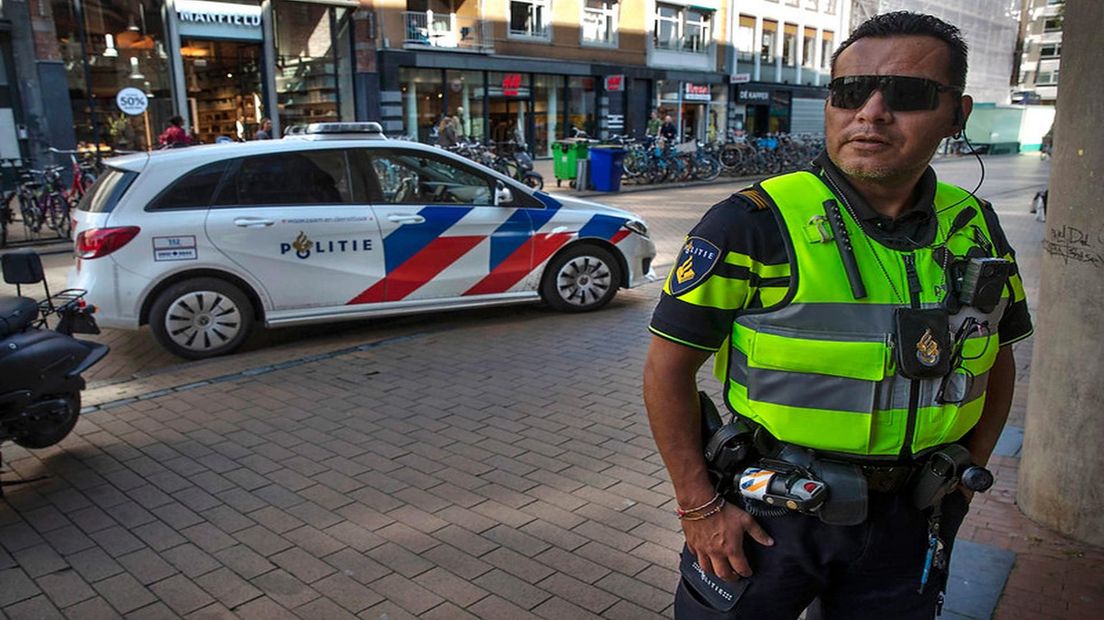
[565, 158]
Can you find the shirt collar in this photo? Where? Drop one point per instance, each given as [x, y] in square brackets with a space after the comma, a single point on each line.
[915, 223]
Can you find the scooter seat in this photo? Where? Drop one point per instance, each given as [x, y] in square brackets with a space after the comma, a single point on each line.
[16, 313]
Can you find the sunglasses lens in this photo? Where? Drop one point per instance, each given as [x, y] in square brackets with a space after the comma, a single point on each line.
[903, 94]
[851, 92]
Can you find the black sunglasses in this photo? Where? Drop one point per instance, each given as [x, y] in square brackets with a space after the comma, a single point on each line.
[901, 93]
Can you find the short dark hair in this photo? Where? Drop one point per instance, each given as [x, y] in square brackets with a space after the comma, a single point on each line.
[176, 120]
[904, 23]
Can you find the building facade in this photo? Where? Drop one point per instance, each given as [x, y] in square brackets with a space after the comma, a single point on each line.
[780, 62]
[522, 71]
[1042, 52]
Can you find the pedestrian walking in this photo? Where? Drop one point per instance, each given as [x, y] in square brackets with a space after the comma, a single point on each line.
[667, 130]
[862, 314]
[174, 135]
[446, 132]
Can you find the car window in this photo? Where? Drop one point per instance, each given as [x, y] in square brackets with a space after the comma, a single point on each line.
[420, 178]
[106, 191]
[191, 191]
[296, 178]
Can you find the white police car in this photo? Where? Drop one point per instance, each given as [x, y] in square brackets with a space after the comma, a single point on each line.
[336, 223]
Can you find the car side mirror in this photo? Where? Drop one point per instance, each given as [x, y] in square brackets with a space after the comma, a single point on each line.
[502, 194]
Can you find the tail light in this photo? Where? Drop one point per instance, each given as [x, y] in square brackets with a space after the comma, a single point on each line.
[97, 242]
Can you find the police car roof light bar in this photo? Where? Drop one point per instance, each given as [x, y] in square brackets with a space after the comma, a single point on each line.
[370, 129]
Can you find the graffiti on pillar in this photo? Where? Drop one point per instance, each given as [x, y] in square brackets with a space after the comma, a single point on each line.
[1070, 243]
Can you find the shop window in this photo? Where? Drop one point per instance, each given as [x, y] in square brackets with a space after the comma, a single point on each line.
[307, 57]
[192, 191]
[123, 47]
[600, 22]
[581, 106]
[768, 42]
[465, 102]
[423, 97]
[223, 82]
[530, 18]
[745, 39]
[548, 109]
[682, 28]
[301, 178]
[419, 179]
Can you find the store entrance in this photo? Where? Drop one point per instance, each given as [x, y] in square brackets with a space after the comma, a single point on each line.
[225, 96]
[758, 120]
[509, 122]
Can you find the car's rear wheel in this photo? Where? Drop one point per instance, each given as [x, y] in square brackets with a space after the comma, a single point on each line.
[582, 278]
[201, 318]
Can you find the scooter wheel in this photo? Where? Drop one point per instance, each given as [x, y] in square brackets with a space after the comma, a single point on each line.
[45, 433]
[534, 180]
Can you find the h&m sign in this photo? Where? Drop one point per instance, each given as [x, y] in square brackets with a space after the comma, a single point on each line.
[219, 20]
[695, 92]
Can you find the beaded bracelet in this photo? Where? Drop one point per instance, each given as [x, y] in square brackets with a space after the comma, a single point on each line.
[683, 513]
[706, 514]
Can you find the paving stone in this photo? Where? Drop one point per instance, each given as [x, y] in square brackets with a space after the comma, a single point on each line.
[146, 566]
[262, 540]
[626, 610]
[315, 515]
[181, 594]
[302, 565]
[15, 586]
[400, 560]
[463, 564]
[92, 609]
[285, 589]
[208, 537]
[407, 593]
[580, 593]
[512, 589]
[636, 591]
[517, 540]
[387, 610]
[465, 540]
[159, 536]
[347, 593]
[518, 565]
[190, 560]
[265, 608]
[93, 564]
[226, 586]
[46, 519]
[177, 515]
[149, 496]
[557, 608]
[117, 541]
[124, 593]
[241, 500]
[354, 536]
[407, 537]
[156, 611]
[227, 519]
[40, 560]
[37, 608]
[244, 561]
[611, 558]
[313, 541]
[277, 520]
[451, 587]
[447, 611]
[322, 609]
[357, 566]
[68, 540]
[498, 608]
[19, 536]
[214, 611]
[65, 588]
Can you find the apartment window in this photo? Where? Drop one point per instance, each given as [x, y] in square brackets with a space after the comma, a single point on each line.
[767, 41]
[793, 2]
[789, 45]
[826, 50]
[600, 22]
[745, 39]
[1052, 24]
[1056, 1]
[1050, 50]
[682, 28]
[830, 6]
[529, 18]
[808, 48]
[811, 5]
[1047, 78]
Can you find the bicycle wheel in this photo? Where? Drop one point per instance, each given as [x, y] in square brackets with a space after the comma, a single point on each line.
[30, 212]
[57, 214]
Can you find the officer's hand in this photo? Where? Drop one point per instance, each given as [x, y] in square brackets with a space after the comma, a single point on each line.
[718, 541]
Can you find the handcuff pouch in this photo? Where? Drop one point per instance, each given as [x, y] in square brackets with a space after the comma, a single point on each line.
[847, 492]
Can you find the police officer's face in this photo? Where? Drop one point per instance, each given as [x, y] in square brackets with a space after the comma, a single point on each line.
[875, 142]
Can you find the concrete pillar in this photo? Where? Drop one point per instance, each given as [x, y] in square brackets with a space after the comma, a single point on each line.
[1062, 460]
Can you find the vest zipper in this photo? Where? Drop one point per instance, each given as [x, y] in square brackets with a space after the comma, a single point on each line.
[915, 289]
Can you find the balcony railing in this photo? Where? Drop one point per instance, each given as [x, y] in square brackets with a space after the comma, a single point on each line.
[446, 30]
[694, 45]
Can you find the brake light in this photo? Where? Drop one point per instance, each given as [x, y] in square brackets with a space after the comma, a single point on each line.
[97, 242]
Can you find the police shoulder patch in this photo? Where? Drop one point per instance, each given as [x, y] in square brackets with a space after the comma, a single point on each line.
[756, 196]
[695, 262]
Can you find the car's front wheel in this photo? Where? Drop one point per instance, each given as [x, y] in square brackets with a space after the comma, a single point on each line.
[201, 318]
[584, 277]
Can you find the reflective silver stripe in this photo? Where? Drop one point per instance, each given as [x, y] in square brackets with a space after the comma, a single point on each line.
[820, 317]
[795, 389]
[893, 393]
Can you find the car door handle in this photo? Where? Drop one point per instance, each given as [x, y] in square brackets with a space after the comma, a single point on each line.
[253, 222]
[399, 218]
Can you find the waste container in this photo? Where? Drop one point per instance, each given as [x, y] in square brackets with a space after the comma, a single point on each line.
[606, 165]
[565, 159]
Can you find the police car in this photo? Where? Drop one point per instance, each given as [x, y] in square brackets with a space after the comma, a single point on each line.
[334, 223]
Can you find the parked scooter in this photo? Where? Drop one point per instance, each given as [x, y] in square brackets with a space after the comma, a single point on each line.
[40, 368]
[519, 165]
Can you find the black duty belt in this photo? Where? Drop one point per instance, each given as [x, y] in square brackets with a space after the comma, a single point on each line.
[888, 478]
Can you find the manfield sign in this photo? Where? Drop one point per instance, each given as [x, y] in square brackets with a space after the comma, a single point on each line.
[219, 20]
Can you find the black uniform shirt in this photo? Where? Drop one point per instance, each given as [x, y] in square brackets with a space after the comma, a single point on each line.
[751, 270]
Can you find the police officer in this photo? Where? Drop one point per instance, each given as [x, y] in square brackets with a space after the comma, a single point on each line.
[831, 299]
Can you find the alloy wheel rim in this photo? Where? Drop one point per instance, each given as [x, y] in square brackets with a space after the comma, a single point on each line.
[203, 320]
[583, 280]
